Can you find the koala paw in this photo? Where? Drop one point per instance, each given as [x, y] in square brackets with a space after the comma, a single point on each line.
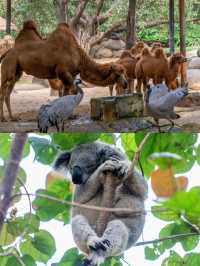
[96, 244]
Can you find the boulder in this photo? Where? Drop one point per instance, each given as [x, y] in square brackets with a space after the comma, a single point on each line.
[94, 50]
[114, 44]
[103, 53]
[194, 78]
[117, 53]
[195, 63]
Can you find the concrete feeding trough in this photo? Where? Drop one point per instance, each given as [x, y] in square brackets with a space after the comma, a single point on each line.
[117, 107]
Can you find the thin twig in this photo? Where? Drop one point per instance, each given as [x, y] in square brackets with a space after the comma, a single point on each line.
[10, 175]
[92, 207]
[166, 238]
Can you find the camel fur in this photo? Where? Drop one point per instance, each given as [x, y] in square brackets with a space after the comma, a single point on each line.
[58, 57]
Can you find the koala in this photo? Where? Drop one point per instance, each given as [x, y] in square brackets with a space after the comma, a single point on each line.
[87, 164]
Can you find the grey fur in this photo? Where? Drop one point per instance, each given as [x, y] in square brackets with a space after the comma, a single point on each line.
[161, 101]
[59, 110]
[123, 229]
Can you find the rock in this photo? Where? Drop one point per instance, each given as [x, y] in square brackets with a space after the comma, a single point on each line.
[114, 44]
[117, 53]
[42, 82]
[194, 63]
[103, 53]
[94, 50]
[194, 79]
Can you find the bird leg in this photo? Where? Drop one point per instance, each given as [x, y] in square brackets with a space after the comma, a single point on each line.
[172, 124]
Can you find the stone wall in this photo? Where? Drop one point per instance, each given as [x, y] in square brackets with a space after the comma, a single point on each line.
[108, 48]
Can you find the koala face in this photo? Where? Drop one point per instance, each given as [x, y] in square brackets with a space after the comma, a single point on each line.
[82, 164]
[84, 159]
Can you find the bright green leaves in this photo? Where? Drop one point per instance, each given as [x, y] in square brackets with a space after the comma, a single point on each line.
[48, 209]
[45, 150]
[109, 138]
[41, 246]
[166, 215]
[151, 253]
[71, 258]
[129, 145]
[29, 223]
[181, 144]
[67, 141]
[173, 260]
[192, 259]
[5, 146]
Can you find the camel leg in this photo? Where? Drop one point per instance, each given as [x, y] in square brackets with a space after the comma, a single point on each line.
[111, 87]
[7, 100]
[2, 98]
[139, 86]
[131, 85]
[66, 78]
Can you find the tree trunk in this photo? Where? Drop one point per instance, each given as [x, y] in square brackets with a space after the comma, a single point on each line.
[8, 17]
[10, 175]
[131, 24]
[61, 10]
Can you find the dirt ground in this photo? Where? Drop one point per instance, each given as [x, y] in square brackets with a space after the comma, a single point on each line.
[27, 99]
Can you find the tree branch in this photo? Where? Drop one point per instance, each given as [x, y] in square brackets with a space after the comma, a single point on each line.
[80, 9]
[106, 34]
[10, 175]
[166, 238]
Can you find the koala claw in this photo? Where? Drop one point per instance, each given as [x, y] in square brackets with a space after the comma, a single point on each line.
[88, 262]
[97, 244]
[107, 242]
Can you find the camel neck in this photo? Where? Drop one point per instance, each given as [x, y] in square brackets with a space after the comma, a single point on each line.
[94, 72]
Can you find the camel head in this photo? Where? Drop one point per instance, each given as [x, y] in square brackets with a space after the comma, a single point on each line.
[177, 58]
[30, 24]
[119, 75]
[155, 46]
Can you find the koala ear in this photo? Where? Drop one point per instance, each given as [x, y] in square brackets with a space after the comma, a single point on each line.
[62, 160]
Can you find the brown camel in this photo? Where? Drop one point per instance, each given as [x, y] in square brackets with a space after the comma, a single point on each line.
[155, 45]
[59, 57]
[138, 48]
[176, 62]
[151, 66]
[128, 61]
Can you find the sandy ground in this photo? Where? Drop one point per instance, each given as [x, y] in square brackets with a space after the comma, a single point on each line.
[27, 98]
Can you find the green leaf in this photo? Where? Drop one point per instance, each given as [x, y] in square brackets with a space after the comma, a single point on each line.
[198, 154]
[28, 260]
[5, 237]
[192, 259]
[41, 247]
[5, 145]
[150, 253]
[45, 151]
[71, 258]
[128, 143]
[167, 215]
[28, 223]
[108, 138]
[173, 260]
[67, 141]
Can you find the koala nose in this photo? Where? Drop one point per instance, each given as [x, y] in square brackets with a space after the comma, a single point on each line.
[77, 175]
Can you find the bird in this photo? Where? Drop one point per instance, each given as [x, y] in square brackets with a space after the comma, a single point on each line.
[58, 111]
[160, 102]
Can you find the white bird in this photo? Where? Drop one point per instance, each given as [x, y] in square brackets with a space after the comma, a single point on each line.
[58, 111]
[160, 102]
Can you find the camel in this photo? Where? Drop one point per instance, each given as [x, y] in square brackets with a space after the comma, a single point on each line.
[155, 45]
[58, 57]
[175, 64]
[151, 66]
[138, 48]
[128, 61]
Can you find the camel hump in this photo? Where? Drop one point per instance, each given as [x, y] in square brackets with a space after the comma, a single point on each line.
[146, 51]
[63, 25]
[29, 24]
[159, 52]
[125, 54]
